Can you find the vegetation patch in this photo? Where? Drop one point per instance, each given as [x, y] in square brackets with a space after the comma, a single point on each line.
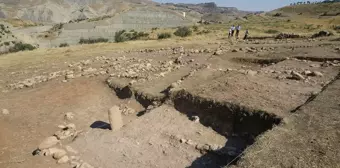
[64, 45]
[183, 32]
[21, 47]
[93, 40]
[123, 35]
[272, 31]
[164, 35]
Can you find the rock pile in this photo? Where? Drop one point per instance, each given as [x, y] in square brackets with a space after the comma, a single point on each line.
[48, 147]
[322, 33]
[287, 35]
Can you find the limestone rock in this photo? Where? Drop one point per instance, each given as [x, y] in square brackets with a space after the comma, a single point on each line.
[57, 153]
[5, 112]
[69, 76]
[195, 119]
[127, 110]
[307, 72]
[218, 52]
[69, 116]
[317, 73]
[297, 76]
[251, 73]
[63, 160]
[48, 142]
[115, 118]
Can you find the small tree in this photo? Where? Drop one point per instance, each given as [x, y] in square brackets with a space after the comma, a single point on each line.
[119, 36]
[64, 45]
[183, 32]
[164, 35]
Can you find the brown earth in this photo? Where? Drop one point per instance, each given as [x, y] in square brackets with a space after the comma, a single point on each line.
[191, 107]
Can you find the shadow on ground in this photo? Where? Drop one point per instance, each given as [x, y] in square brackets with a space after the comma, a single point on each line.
[228, 155]
[100, 125]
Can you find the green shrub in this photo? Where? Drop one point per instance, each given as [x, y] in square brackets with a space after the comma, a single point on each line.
[93, 40]
[154, 28]
[164, 35]
[195, 28]
[21, 47]
[6, 43]
[64, 45]
[272, 31]
[120, 37]
[183, 32]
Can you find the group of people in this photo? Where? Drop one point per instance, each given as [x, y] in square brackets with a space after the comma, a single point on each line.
[238, 29]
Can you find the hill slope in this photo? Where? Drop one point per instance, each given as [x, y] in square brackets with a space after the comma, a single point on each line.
[64, 10]
[319, 9]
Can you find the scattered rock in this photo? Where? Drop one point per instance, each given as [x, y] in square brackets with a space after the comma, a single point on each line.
[315, 65]
[48, 142]
[190, 142]
[63, 160]
[69, 76]
[57, 153]
[234, 50]
[71, 150]
[251, 73]
[85, 165]
[5, 111]
[132, 82]
[203, 148]
[86, 62]
[195, 119]
[64, 134]
[322, 33]
[69, 116]
[317, 73]
[127, 110]
[182, 140]
[297, 76]
[307, 72]
[218, 52]
[115, 118]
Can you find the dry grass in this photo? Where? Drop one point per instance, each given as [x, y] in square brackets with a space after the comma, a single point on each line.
[87, 50]
[20, 22]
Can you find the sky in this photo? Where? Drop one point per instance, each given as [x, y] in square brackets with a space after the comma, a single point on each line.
[249, 5]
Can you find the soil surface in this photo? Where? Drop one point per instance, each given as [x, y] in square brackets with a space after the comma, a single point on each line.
[207, 105]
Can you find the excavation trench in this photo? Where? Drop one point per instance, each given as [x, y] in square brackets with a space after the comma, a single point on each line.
[239, 124]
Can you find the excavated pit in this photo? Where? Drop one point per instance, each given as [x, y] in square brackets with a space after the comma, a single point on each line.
[238, 124]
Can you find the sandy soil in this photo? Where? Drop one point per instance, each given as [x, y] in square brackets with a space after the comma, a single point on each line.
[151, 136]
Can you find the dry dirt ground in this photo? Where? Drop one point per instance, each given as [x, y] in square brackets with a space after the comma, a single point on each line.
[213, 104]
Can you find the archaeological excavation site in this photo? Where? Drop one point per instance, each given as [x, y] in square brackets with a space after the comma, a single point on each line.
[172, 107]
[144, 84]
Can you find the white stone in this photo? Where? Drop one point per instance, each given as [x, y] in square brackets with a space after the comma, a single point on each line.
[63, 160]
[5, 111]
[48, 142]
[57, 153]
[115, 118]
[69, 116]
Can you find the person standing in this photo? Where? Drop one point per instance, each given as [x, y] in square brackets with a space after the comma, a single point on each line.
[238, 28]
[232, 30]
[246, 35]
[229, 35]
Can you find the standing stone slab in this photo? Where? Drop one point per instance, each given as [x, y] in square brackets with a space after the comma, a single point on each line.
[115, 118]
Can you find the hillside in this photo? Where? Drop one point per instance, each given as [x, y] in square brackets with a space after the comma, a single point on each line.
[64, 10]
[318, 9]
[209, 11]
